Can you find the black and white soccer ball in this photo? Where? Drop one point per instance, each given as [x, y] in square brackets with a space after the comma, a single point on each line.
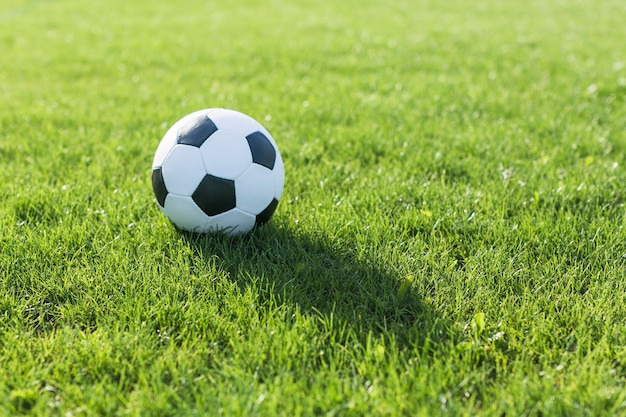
[217, 171]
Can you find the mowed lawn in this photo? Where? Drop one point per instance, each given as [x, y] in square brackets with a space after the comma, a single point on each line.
[451, 238]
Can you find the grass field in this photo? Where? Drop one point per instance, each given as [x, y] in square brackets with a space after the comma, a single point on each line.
[451, 238]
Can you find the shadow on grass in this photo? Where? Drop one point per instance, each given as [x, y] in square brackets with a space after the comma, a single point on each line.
[323, 276]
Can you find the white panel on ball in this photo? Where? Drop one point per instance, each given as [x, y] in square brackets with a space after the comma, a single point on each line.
[233, 223]
[254, 189]
[279, 177]
[185, 214]
[226, 154]
[167, 143]
[183, 170]
[234, 121]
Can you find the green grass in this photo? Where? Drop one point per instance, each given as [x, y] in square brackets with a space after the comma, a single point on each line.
[451, 238]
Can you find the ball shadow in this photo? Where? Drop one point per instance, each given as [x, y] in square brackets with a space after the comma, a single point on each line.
[322, 276]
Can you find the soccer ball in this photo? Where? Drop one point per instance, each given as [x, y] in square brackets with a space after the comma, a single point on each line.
[217, 171]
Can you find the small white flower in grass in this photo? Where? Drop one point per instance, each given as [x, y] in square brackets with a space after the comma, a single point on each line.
[506, 172]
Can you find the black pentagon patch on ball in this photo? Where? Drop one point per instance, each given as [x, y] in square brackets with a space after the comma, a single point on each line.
[215, 195]
[264, 216]
[158, 186]
[263, 152]
[196, 131]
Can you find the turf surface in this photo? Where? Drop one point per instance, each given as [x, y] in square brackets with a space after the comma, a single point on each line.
[450, 239]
